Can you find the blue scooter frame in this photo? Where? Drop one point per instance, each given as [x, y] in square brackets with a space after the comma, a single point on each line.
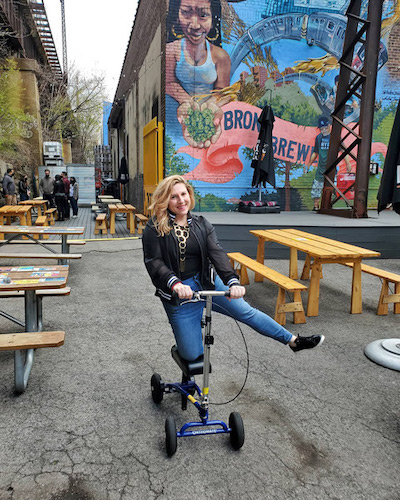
[188, 388]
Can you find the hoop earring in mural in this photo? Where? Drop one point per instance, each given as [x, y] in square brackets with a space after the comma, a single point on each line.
[212, 39]
[175, 33]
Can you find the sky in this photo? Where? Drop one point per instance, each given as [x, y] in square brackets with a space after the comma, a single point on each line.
[97, 35]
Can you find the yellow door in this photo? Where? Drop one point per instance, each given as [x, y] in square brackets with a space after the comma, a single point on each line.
[153, 168]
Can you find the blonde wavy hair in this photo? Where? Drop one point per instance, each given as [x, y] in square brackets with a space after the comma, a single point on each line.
[160, 201]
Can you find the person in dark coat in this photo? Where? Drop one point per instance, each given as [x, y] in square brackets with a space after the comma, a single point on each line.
[179, 249]
[67, 186]
[23, 188]
[59, 197]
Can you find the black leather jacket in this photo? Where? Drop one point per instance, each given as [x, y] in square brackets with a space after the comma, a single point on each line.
[161, 257]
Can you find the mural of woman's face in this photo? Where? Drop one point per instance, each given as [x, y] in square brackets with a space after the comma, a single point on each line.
[195, 19]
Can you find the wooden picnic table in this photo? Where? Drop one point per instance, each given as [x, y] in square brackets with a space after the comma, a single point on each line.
[31, 231]
[29, 279]
[322, 251]
[22, 212]
[39, 204]
[120, 208]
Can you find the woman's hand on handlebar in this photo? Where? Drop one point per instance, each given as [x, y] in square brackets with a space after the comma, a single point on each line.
[237, 292]
[183, 291]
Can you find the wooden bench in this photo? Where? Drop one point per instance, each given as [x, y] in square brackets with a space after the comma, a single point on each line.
[284, 283]
[385, 297]
[50, 215]
[51, 242]
[24, 344]
[101, 224]
[142, 221]
[41, 221]
[61, 257]
[40, 294]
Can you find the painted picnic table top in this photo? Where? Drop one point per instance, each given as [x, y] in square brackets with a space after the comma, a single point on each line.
[14, 278]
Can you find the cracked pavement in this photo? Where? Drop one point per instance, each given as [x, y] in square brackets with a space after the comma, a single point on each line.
[319, 424]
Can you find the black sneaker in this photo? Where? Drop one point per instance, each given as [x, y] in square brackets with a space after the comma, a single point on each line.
[307, 342]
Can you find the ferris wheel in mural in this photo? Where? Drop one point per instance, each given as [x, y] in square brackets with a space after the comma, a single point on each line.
[325, 29]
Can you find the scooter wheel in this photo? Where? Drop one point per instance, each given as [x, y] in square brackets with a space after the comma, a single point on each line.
[170, 436]
[157, 392]
[237, 430]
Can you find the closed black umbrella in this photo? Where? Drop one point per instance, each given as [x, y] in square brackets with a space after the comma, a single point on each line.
[389, 189]
[263, 158]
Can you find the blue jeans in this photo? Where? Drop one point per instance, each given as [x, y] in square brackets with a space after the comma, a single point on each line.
[185, 320]
[74, 205]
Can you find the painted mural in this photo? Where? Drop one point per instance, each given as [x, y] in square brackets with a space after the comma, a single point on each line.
[227, 60]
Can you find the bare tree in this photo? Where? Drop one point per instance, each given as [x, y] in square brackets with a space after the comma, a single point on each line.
[72, 109]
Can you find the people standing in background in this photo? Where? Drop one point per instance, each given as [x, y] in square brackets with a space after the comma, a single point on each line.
[9, 187]
[23, 188]
[59, 196]
[46, 188]
[66, 187]
[74, 196]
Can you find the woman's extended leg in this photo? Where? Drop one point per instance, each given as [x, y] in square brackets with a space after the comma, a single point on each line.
[242, 311]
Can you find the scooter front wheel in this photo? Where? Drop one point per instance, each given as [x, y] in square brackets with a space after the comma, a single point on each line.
[237, 430]
[171, 440]
[157, 392]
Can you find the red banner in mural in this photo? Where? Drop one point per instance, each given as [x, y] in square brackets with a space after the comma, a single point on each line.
[220, 162]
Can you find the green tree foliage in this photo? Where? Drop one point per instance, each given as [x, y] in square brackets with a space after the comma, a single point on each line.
[14, 123]
[300, 113]
[174, 163]
[72, 110]
[383, 123]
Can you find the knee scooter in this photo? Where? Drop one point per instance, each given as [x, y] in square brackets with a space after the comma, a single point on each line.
[188, 389]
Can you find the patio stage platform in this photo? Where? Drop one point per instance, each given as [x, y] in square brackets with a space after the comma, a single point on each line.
[377, 232]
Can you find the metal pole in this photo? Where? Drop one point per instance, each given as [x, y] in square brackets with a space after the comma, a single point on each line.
[367, 107]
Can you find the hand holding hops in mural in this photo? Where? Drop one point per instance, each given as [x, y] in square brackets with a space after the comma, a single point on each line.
[183, 114]
[217, 116]
[201, 124]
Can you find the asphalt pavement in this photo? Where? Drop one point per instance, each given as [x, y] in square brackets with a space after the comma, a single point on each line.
[319, 424]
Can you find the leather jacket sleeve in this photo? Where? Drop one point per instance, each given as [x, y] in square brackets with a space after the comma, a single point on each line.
[161, 275]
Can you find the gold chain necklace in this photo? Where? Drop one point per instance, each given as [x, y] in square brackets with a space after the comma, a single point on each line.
[182, 234]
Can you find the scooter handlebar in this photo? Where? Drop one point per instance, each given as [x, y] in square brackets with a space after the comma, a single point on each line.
[207, 293]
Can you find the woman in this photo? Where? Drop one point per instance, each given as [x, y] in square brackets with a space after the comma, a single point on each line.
[179, 249]
[194, 65]
[73, 196]
[23, 188]
[59, 196]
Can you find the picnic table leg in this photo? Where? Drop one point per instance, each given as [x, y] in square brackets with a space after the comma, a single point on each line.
[383, 308]
[23, 221]
[396, 309]
[130, 223]
[260, 258]
[112, 222]
[64, 248]
[39, 210]
[29, 218]
[305, 275]
[2, 224]
[23, 359]
[313, 291]
[356, 295]
[293, 265]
